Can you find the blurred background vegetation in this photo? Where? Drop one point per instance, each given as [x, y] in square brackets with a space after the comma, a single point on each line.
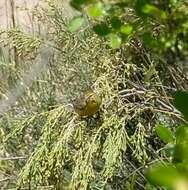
[133, 53]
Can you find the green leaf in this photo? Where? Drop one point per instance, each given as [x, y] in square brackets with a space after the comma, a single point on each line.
[116, 23]
[126, 29]
[77, 4]
[181, 103]
[96, 10]
[150, 73]
[138, 7]
[164, 133]
[101, 29]
[76, 23]
[151, 41]
[169, 150]
[180, 153]
[182, 134]
[149, 187]
[163, 175]
[181, 148]
[115, 41]
[154, 11]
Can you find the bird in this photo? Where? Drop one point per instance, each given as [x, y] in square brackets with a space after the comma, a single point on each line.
[87, 104]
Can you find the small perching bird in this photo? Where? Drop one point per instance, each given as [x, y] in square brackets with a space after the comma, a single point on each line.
[87, 104]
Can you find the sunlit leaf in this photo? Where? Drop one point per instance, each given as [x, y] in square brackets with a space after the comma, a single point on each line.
[126, 29]
[154, 11]
[181, 184]
[163, 175]
[96, 10]
[115, 41]
[76, 23]
[164, 133]
[185, 25]
[181, 148]
[182, 134]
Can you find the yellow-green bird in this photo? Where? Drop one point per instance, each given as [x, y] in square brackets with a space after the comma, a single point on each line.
[87, 104]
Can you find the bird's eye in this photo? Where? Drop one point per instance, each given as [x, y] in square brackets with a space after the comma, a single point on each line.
[93, 101]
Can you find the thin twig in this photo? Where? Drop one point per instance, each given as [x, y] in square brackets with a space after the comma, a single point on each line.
[14, 158]
[6, 179]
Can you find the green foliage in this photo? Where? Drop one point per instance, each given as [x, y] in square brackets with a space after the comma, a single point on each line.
[126, 29]
[181, 103]
[135, 78]
[180, 152]
[101, 29]
[115, 41]
[174, 175]
[76, 23]
[161, 26]
[115, 23]
[164, 133]
[77, 4]
[114, 147]
[138, 141]
[163, 175]
[25, 44]
[96, 10]
[149, 9]
[107, 12]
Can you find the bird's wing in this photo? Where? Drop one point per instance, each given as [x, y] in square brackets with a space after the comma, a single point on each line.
[79, 103]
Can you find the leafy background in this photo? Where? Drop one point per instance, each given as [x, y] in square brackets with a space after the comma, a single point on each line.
[136, 58]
